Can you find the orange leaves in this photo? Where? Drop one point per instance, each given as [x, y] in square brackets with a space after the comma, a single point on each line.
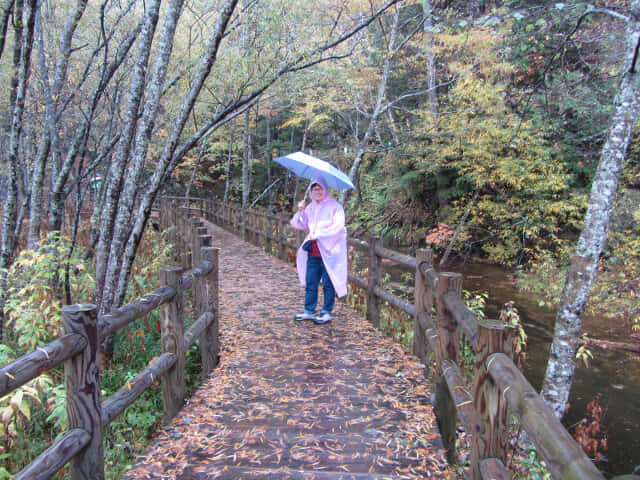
[588, 432]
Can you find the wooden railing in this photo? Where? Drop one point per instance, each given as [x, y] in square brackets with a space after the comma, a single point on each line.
[441, 322]
[78, 349]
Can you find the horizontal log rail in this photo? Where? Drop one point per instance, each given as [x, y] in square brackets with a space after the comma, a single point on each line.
[77, 349]
[499, 388]
[56, 456]
[441, 321]
[564, 458]
[31, 365]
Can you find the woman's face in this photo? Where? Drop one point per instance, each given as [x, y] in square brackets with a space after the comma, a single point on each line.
[317, 193]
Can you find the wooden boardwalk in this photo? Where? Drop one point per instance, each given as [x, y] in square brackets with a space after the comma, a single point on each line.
[295, 400]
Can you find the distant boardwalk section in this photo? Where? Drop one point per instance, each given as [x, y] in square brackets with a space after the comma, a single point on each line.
[295, 400]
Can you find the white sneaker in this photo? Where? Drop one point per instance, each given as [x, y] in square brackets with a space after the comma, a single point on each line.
[305, 316]
[323, 318]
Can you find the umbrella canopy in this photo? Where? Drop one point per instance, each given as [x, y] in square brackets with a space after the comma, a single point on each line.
[306, 166]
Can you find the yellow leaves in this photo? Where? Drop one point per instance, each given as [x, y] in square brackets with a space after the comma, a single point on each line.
[17, 403]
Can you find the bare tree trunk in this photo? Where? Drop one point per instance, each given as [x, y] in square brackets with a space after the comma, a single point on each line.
[456, 234]
[432, 77]
[269, 159]
[127, 196]
[18, 30]
[78, 145]
[296, 182]
[377, 109]
[228, 169]
[194, 170]
[119, 162]
[562, 362]
[35, 203]
[9, 218]
[5, 12]
[163, 166]
[48, 142]
[246, 160]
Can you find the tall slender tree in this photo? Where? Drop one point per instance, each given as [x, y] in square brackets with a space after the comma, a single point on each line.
[25, 27]
[562, 361]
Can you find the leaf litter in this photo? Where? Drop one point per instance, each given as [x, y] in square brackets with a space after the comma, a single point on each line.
[295, 400]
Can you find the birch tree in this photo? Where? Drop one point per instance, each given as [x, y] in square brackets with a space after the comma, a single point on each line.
[562, 361]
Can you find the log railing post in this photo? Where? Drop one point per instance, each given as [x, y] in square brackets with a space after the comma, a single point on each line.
[253, 224]
[255, 236]
[447, 350]
[423, 299]
[174, 232]
[198, 231]
[162, 214]
[235, 215]
[208, 210]
[268, 233]
[203, 242]
[192, 239]
[243, 224]
[172, 326]
[182, 236]
[209, 348]
[257, 222]
[246, 225]
[84, 398]
[490, 438]
[373, 302]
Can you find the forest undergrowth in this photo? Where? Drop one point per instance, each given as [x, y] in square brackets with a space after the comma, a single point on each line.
[34, 416]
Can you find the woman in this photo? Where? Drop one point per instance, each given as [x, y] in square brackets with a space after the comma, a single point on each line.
[323, 253]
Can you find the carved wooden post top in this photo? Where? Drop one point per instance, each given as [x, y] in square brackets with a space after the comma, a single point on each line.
[171, 268]
[452, 279]
[78, 307]
[424, 255]
[77, 317]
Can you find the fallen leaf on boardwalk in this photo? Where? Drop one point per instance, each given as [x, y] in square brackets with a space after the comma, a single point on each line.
[291, 397]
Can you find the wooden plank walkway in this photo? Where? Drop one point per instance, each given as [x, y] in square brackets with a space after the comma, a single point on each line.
[295, 400]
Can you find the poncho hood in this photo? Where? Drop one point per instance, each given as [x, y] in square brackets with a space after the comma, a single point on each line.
[319, 180]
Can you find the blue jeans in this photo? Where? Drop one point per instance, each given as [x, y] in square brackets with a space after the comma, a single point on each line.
[315, 272]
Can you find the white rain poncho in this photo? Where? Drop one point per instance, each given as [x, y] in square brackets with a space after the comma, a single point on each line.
[325, 222]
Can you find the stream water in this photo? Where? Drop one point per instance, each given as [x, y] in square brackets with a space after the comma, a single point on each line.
[613, 375]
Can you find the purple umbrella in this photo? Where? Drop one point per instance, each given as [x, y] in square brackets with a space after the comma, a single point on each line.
[306, 166]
